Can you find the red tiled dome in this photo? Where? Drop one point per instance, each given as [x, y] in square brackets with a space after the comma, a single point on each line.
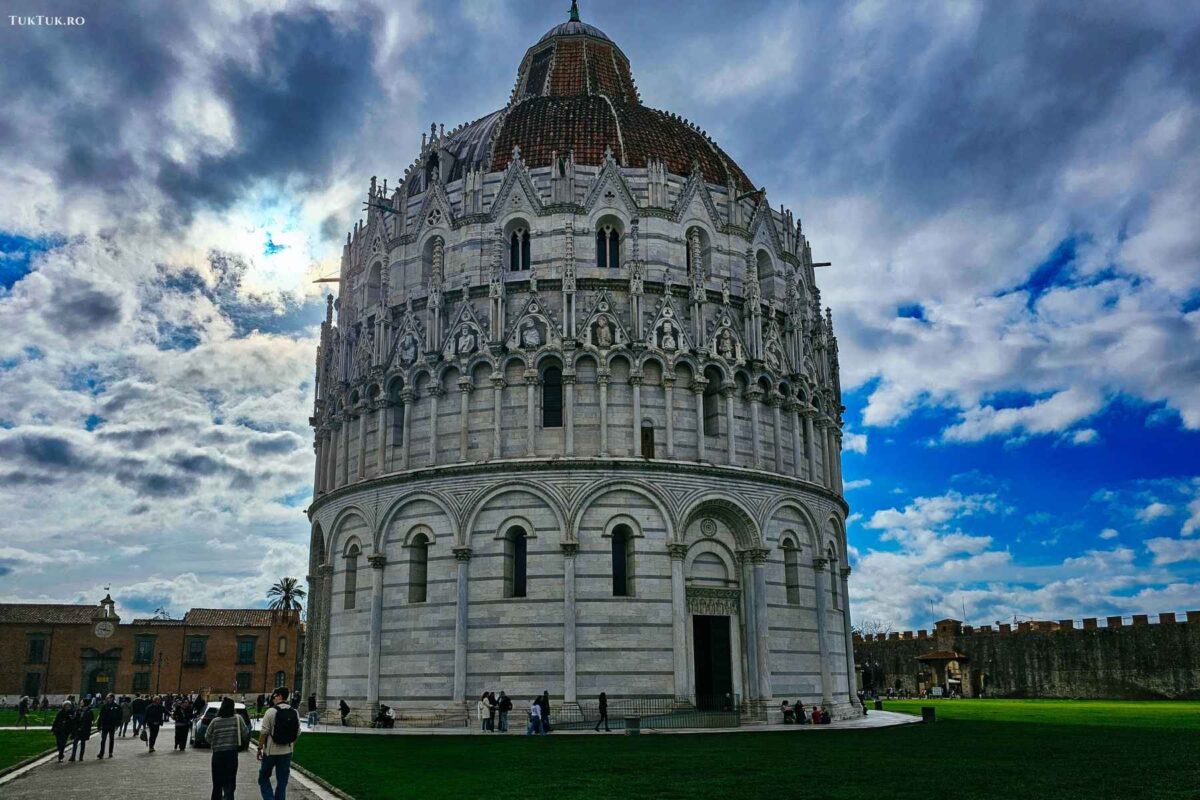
[575, 93]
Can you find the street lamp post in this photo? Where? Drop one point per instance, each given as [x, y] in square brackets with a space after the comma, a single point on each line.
[158, 682]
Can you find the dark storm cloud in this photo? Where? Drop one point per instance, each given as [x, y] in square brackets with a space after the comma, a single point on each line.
[84, 308]
[41, 450]
[275, 444]
[292, 110]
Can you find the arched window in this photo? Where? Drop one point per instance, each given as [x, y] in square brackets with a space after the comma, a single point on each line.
[552, 398]
[647, 439]
[515, 548]
[622, 561]
[418, 569]
[608, 247]
[518, 250]
[765, 268]
[283, 645]
[348, 596]
[791, 572]
[374, 284]
[280, 679]
[712, 402]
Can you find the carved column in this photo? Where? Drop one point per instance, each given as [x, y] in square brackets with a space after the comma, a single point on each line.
[847, 631]
[761, 622]
[755, 395]
[819, 571]
[462, 557]
[669, 388]
[728, 391]
[329, 452]
[317, 489]
[322, 637]
[374, 644]
[435, 392]
[345, 448]
[498, 384]
[315, 614]
[406, 397]
[568, 380]
[797, 439]
[679, 618]
[749, 622]
[531, 381]
[363, 412]
[602, 382]
[569, 550]
[836, 446]
[385, 410]
[635, 381]
[465, 387]
[809, 456]
[698, 386]
[775, 401]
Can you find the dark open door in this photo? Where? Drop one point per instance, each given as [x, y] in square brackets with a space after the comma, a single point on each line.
[713, 662]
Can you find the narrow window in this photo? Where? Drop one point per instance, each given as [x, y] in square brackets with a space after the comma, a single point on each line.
[351, 577]
[614, 249]
[242, 682]
[608, 247]
[791, 573]
[37, 650]
[245, 650]
[712, 409]
[283, 645]
[552, 398]
[622, 561]
[418, 569]
[833, 578]
[515, 550]
[280, 679]
[647, 440]
[518, 250]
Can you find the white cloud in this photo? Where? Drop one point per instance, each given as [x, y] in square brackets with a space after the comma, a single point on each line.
[1171, 551]
[858, 484]
[1109, 533]
[854, 442]
[1155, 510]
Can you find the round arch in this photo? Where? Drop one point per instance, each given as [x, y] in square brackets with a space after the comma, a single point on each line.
[810, 520]
[651, 494]
[745, 530]
[529, 488]
[339, 522]
[399, 503]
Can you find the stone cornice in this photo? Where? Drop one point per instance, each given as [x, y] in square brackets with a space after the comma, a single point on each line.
[513, 467]
[377, 561]
[462, 552]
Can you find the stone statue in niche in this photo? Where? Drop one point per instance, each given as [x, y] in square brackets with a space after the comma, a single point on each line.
[666, 340]
[362, 357]
[408, 349]
[464, 345]
[772, 357]
[603, 335]
[531, 337]
[725, 345]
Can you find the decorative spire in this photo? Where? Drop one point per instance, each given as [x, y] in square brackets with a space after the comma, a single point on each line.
[574, 11]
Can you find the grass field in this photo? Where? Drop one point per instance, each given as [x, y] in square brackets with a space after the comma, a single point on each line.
[1031, 750]
[16, 746]
[8, 716]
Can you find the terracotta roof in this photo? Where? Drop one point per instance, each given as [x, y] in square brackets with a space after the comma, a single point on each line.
[229, 617]
[155, 621]
[46, 614]
[575, 93]
[943, 655]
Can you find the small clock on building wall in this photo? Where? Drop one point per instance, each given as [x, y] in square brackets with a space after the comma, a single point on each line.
[104, 630]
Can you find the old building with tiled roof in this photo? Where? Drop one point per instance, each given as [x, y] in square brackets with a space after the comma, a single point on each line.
[58, 650]
[578, 418]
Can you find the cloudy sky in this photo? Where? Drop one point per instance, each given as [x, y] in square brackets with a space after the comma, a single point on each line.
[1008, 193]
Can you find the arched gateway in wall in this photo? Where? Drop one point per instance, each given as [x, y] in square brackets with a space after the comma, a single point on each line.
[577, 425]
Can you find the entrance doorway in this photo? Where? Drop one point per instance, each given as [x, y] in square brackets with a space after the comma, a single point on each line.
[99, 681]
[713, 662]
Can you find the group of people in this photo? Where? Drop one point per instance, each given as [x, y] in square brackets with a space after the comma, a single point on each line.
[25, 705]
[490, 706]
[794, 714]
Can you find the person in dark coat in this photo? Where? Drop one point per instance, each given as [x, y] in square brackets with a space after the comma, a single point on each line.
[81, 730]
[312, 711]
[181, 715]
[156, 715]
[23, 712]
[126, 714]
[545, 703]
[62, 726]
[138, 707]
[603, 713]
[344, 708]
[110, 720]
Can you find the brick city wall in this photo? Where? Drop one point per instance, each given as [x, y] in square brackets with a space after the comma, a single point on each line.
[1130, 658]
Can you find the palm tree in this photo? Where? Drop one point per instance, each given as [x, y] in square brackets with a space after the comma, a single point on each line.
[286, 595]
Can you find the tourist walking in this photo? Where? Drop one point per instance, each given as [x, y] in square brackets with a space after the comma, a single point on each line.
[344, 709]
[535, 718]
[62, 726]
[603, 713]
[23, 712]
[126, 715]
[313, 717]
[110, 720]
[139, 706]
[277, 737]
[225, 735]
[504, 705]
[155, 716]
[183, 719]
[545, 711]
[81, 730]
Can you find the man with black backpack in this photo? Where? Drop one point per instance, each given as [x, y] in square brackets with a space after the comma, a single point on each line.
[277, 737]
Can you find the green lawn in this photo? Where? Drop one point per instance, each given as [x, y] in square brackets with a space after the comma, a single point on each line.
[1040, 750]
[16, 746]
[8, 716]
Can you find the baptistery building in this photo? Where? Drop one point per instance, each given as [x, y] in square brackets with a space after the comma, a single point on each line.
[577, 421]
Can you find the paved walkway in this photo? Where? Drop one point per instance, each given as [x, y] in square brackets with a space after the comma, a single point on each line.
[135, 774]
